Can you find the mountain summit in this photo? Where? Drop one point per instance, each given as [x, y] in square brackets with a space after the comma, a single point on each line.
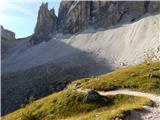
[46, 24]
[76, 16]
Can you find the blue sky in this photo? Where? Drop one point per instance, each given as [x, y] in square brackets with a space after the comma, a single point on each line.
[20, 16]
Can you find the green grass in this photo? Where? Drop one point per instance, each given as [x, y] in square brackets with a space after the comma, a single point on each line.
[70, 104]
[62, 104]
[121, 104]
[142, 77]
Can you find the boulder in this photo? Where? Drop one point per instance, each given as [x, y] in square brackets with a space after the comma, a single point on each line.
[93, 96]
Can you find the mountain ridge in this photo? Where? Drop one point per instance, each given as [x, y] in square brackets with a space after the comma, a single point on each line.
[76, 16]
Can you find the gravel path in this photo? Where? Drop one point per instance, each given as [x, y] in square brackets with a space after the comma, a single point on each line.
[153, 113]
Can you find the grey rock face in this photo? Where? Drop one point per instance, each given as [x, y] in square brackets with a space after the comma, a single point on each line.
[7, 34]
[75, 16]
[46, 24]
[63, 10]
[154, 6]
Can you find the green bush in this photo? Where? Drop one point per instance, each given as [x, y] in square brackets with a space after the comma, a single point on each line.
[31, 99]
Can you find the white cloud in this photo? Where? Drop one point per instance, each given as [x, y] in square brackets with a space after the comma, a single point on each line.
[16, 8]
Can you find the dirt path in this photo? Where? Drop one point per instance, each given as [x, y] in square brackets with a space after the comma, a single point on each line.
[152, 113]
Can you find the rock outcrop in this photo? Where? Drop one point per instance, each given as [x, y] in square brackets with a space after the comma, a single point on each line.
[75, 16]
[46, 24]
[7, 35]
[63, 10]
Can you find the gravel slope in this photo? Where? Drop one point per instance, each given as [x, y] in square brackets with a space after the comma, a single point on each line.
[119, 45]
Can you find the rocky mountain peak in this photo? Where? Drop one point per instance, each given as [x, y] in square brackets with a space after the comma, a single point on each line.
[46, 24]
[76, 16]
[7, 35]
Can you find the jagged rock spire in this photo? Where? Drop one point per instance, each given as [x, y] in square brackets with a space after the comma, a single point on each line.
[46, 24]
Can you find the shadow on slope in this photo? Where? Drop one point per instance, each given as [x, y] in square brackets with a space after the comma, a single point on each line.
[61, 65]
[9, 47]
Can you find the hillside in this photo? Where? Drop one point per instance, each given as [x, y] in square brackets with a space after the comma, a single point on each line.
[142, 77]
[70, 104]
[51, 65]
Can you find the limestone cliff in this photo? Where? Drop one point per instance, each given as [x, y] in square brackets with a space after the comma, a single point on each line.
[76, 16]
[46, 24]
